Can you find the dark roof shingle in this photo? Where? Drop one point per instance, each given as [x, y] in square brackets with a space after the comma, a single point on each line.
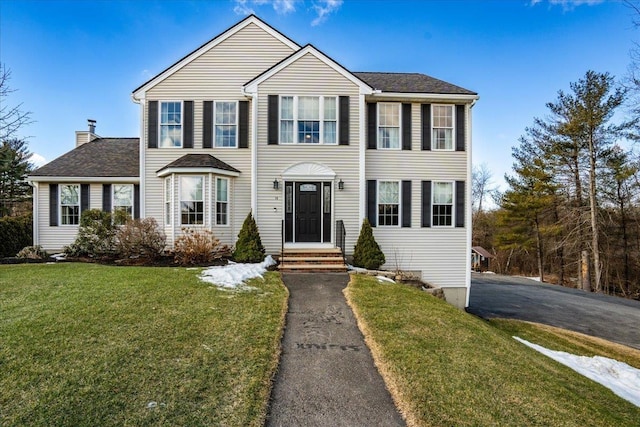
[199, 161]
[410, 83]
[102, 157]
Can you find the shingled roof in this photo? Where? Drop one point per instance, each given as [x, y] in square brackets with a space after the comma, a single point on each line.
[410, 83]
[199, 161]
[102, 157]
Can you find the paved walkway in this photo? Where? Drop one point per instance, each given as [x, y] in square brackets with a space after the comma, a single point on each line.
[326, 375]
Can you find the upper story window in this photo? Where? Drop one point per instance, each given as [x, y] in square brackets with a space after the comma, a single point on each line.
[389, 125]
[123, 198]
[388, 202]
[191, 200]
[308, 120]
[226, 124]
[171, 124]
[70, 204]
[442, 206]
[443, 127]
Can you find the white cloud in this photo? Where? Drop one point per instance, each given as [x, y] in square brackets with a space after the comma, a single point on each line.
[568, 4]
[323, 8]
[37, 160]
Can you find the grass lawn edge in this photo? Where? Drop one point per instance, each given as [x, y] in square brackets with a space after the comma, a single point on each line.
[401, 403]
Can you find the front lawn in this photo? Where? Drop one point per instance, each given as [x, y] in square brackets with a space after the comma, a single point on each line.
[89, 345]
[445, 367]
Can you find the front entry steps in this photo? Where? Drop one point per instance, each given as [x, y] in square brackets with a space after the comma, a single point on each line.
[328, 260]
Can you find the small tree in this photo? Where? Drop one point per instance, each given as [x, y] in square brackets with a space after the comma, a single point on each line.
[367, 254]
[249, 245]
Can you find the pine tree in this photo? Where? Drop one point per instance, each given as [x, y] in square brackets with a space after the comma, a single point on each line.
[367, 254]
[14, 167]
[249, 245]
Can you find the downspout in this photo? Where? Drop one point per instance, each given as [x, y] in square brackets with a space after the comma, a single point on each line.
[254, 151]
[469, 221]
[34, 202]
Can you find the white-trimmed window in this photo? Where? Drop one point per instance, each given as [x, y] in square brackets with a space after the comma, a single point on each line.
[225, 124]
[308, 120]
[389, 125]
[191, 200]
[222, 201]
[388, 203]
[122, 198]
[168, 189]
[69, 204]
[442, 205]
[442, 127]
[170, 124]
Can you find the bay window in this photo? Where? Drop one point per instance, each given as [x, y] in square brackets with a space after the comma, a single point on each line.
[191, 200]
[222, 201]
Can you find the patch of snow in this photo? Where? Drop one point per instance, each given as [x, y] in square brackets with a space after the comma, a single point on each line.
[385, 279]
[233, 275]
[356, 269]
[59, 257]
[620, 378]
[488, 272]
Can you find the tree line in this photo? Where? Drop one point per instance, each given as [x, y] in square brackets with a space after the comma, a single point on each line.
[571, 212]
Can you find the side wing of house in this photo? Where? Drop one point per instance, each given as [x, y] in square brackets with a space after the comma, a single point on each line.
[417, 187]
[196, 162]
[100, 174]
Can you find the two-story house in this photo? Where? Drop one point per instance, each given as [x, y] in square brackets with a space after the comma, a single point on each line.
[252, 121]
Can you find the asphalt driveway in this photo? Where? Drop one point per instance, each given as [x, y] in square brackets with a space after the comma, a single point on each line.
[612, 318]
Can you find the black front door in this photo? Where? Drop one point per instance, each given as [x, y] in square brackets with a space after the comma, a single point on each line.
[308, 211]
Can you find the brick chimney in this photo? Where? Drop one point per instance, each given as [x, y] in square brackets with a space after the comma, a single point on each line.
[83, 136]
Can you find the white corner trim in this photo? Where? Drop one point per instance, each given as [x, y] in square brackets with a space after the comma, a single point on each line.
[468, 218]
[252, 86]
[211, 44]
[254, 154]
[362, 158]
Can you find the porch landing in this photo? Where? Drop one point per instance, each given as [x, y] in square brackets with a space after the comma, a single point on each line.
[312, 260]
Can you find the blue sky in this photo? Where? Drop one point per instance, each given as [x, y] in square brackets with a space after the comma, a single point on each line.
[74, 60]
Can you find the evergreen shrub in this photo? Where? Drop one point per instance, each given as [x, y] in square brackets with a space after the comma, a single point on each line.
[249, 247]
[367, 253]
[15, 233]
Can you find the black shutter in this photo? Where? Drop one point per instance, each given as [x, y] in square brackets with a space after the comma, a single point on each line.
[372, 125]
[243, 124]
[426, 203]
[406, 203]
[372, 211]
[460, 128]
[106, 197]
[272, 117]
[152, 124]
[406, 126]
[207, 124]
[187, 125]
[84, 197]
[460, 197]
[53, 205]
[136, 201]
[344, 120]
[425, 112]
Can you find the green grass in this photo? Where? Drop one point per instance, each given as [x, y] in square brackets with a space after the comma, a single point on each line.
[89, 345]
[445, 367]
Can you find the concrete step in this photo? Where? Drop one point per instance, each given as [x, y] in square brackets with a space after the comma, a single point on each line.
[312, 268]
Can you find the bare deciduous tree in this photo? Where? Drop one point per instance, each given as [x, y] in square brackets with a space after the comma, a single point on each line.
[12, 118]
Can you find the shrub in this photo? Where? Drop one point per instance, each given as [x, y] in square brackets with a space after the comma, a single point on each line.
[199, 247]
[367, 254]
[96, 235]
[32, 252]
[140, 238]
[249, 245]
[15, 233]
